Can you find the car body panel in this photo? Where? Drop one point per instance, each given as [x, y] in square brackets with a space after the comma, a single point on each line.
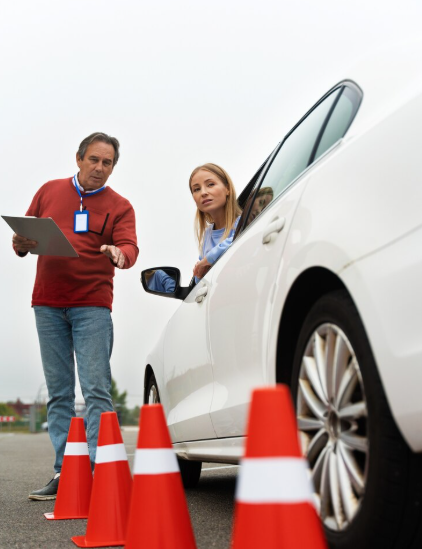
[239, 308]
[223, 450]
[386, 289]
[187, 376]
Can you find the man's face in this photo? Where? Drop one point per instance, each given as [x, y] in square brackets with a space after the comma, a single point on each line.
[96, 166]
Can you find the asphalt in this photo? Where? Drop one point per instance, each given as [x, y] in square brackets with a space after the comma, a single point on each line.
[26, 464]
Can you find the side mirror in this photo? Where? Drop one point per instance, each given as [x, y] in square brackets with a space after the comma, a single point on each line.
[164, 281]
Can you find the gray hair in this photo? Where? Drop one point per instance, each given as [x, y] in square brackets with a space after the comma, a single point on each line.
[104, 138]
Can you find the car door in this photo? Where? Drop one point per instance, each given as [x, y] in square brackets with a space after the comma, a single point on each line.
[244, 280]
[187, 370]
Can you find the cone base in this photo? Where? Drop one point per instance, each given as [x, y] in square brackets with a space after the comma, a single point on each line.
[159, 515]
[74, 491]
[277, 525]
[80, 541]
[52, 516]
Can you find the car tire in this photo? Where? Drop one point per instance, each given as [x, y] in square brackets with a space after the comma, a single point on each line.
[368, 484]
[189, 470]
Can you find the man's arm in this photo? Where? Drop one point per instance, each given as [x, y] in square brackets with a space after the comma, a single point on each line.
[115, 254]
[22, 245]
[124, 250]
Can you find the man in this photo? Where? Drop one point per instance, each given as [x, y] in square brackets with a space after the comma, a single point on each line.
[72, 297]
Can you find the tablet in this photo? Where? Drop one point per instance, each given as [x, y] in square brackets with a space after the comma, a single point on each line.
[51, 240]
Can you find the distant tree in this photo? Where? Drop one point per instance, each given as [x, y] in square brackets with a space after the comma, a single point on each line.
[6, 410]
[134, 415]
[42, 411]
[119, 402]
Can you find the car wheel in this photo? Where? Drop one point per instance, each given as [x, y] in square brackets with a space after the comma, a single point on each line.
[189, 470]
[152, 394]
[367, 483]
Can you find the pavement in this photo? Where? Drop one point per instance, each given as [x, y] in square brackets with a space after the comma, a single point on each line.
[26, 464]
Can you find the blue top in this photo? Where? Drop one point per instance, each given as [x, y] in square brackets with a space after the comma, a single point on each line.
[213, 247]
[162, 282]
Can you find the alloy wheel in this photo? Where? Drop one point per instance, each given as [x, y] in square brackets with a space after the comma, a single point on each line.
[153, 397]
[333, 424]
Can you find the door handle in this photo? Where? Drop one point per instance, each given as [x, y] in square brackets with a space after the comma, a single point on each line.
[200, 294]
[274, 227]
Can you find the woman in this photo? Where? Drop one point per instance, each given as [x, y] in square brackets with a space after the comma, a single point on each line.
[217, 214]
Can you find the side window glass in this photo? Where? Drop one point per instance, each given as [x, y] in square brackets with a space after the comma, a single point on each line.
[292, 158]
[340, 120]
[246, 196]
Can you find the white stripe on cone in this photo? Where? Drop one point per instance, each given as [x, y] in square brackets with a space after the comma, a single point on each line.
[274, 480]
[76, 449]
[110, 452]
[155, 461]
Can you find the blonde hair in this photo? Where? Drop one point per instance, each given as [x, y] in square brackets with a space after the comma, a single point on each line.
[232, 209]
[264, 191]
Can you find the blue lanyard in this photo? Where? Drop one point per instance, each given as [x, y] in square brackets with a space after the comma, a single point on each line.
[79, 192]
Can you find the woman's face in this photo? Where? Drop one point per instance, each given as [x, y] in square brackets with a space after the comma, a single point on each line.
[209, 192]
[260, 203]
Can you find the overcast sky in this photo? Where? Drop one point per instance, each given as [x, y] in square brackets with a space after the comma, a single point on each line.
[179, 83]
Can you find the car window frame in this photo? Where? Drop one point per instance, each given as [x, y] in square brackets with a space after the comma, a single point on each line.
[345, 84]
[350, 84]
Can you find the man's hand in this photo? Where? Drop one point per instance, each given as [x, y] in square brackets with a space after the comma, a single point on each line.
[201, 268]
[22, 244]
[115, 254]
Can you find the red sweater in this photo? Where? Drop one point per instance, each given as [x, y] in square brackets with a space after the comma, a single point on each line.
[87, 280]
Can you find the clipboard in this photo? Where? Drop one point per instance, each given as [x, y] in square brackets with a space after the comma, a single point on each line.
[51, 240]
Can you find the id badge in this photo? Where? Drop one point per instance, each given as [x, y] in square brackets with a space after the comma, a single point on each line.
[81, 222]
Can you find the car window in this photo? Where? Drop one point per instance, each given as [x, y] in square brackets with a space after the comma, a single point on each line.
[321, 128]
[245, 194]
[340, 120]
[292, 158]
[296, 150]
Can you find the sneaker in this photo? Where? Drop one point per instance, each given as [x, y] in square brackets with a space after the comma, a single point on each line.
[48, 492]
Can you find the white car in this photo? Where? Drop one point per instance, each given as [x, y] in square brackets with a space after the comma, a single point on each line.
[322, 290]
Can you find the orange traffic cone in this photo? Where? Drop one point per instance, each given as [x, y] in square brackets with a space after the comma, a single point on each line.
[75, 484]
[110, 498]
[274, 506]
[159, 516]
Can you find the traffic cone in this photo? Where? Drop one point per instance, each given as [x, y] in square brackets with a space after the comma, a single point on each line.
[110, 498]
[74, 492]
[159, 516]
[274, 506]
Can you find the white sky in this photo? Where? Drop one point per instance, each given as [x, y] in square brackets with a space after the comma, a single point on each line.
[179, 83]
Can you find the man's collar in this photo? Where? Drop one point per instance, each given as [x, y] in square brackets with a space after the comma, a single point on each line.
[82, 189]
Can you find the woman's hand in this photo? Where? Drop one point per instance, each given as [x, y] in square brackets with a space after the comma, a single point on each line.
[201, 268]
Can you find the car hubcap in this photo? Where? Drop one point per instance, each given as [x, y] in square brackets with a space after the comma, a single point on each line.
[332, 422]
[153, 395]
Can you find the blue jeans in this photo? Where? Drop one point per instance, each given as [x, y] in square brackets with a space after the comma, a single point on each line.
[87, 334]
